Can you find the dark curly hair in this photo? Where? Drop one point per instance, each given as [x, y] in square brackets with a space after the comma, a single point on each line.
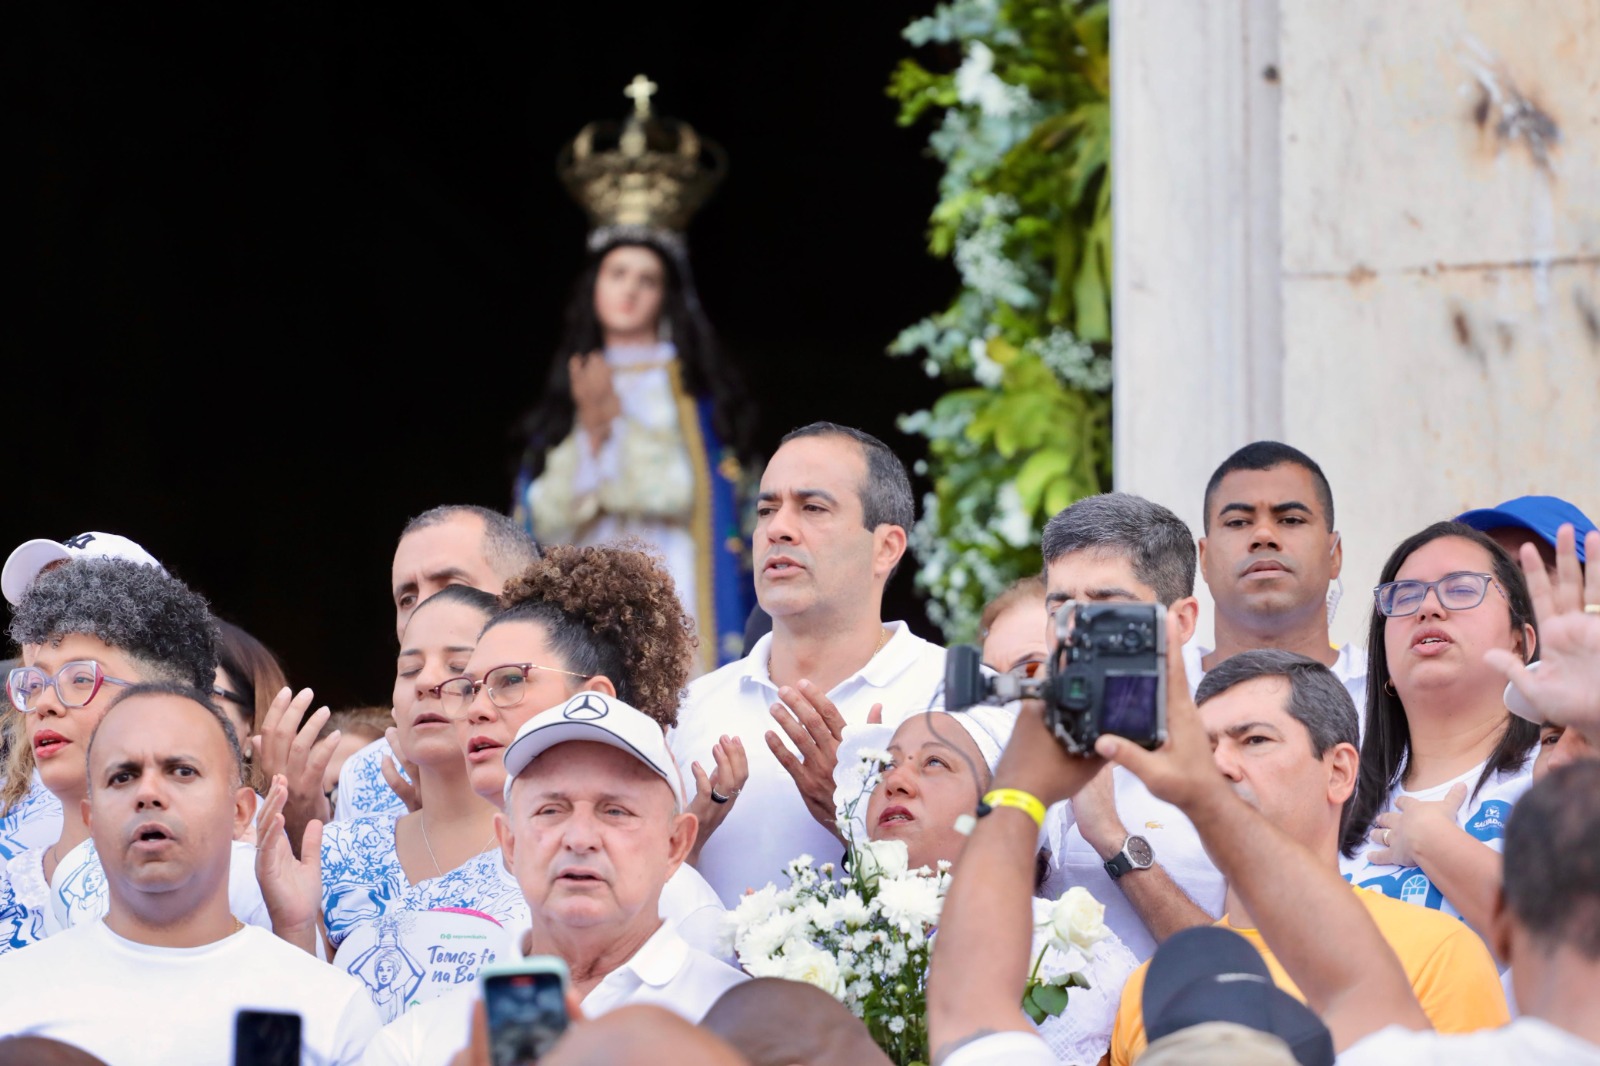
[609, 611]
[140, 610]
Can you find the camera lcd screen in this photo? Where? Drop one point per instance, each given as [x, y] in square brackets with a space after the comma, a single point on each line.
[1130, 705]
[527, 1014]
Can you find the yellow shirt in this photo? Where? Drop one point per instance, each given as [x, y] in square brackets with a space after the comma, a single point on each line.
[1450, 969]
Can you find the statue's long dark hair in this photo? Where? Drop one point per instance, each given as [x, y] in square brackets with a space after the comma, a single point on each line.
[1386, 742]
[707, 372]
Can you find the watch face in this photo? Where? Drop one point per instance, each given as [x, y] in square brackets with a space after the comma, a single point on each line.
[1138, 849]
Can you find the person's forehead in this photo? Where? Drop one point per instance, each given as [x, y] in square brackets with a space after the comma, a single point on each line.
[633, 257]
[1512, 538]
[829, 462]
[72, 647]
[1275, 485]
[455, 542]
[1095, 568]
[1445, 555]
[1260, 699]
[934, 728]
[157, 726]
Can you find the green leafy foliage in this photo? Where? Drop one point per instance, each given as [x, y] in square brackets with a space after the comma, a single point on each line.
[1023, 126]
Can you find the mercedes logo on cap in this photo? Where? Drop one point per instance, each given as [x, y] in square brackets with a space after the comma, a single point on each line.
[585, 707]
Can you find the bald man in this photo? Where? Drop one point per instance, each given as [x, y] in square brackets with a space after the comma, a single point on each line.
[162, 977]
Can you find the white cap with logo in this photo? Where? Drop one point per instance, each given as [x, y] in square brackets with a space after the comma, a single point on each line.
[600, 718]
[31, 558]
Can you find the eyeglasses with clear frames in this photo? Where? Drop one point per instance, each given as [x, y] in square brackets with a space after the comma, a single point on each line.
[507, 686]
[1460, 591]
[76, 684]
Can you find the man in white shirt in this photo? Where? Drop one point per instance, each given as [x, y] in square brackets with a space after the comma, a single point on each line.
[831, 522]
[1138, 855]
[594, 826]
[162, 977]
[1270, 557]
[452, 544]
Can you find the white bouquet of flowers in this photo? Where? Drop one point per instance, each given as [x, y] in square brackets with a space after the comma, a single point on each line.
[865, 938]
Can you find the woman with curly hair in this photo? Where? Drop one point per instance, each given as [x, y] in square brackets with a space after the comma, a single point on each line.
[602, 619]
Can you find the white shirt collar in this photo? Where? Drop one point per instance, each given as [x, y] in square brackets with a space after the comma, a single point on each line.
[898, 654]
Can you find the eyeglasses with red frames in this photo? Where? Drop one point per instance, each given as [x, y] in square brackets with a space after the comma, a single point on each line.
[76, 684]
[507, 686]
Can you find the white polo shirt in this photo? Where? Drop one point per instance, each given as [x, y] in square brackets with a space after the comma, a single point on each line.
[770, 824]
[665, 972]
[133, 1004]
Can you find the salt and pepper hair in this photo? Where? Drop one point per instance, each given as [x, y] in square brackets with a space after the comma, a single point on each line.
[1156, 541]
[1318, 700]
[145, 613]
[507, 548]
[183, 692]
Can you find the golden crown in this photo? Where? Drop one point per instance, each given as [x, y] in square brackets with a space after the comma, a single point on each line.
[645, 175]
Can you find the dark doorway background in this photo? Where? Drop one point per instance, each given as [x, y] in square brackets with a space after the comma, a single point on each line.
[285, 276]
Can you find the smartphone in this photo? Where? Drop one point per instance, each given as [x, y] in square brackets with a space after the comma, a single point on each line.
[266, 1038]
[526, 1004]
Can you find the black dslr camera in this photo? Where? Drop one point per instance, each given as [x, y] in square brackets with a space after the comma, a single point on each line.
[1107, 674]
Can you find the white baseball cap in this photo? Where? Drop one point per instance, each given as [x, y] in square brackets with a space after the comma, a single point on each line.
[30, 559]
[604, 720]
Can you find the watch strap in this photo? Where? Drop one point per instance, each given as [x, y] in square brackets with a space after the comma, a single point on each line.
[1122, 862]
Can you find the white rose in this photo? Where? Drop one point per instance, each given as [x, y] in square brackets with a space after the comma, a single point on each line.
[909, 902]
[882, 859]
[1078, 921]
[806, 962]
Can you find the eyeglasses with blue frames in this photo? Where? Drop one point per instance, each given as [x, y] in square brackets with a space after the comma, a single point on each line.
[507, 686]
[76, 684]
[1460, 591]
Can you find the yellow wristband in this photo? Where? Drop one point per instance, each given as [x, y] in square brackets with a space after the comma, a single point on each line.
[1015, 797]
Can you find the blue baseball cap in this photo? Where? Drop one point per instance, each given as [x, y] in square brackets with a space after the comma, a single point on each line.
[1542, 515]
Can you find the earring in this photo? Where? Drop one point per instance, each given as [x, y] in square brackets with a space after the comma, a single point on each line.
[1388, 686]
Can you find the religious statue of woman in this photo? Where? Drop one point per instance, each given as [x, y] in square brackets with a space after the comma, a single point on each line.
[643, 426]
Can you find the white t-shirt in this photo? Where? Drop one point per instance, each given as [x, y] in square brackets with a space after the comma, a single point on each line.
[78, 890]
[132, 1004]
[1483, 817]
[666, 972]
[770, 824]
[1004, 1049]
[362, 791]
[1524, 1040]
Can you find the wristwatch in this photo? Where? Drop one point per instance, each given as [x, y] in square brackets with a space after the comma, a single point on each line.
[1135, 855]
